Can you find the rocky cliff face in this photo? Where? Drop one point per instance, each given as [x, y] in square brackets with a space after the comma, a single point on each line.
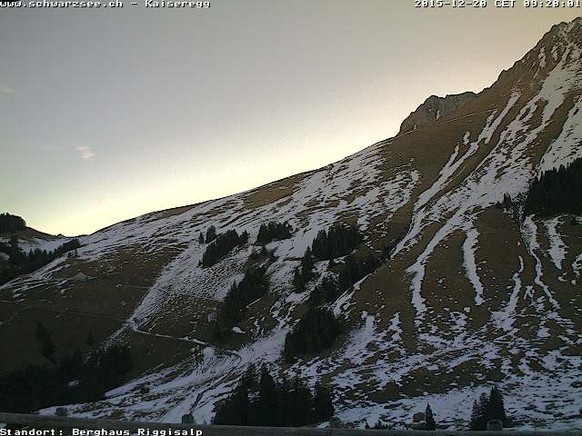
[435, 108]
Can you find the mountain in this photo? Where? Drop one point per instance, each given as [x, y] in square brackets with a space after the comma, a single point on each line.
[17, 237]
[434, 108]
[466, 291]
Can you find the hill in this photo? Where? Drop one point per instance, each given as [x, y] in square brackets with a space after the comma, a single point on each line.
[444, 287]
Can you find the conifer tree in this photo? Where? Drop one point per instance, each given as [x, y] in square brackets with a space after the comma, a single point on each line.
[300, 405]
[210, 234]
[486, 408]
[323, 405]
[268, 399]
[314, 332]
[47, 348]
[495, 406]
[429, 418]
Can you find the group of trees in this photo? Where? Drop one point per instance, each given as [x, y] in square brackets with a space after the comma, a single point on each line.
[318, 327]
[252, 287]
[328, 245]
[73, 380]
[47, 348]
[556, 191]
[261, 401]
[351, 270]
[210, 235]
[274, 231]
[486, 408]
[11, 223]
[221, 245]
[315, 332]
[304, 273]
[336, 242]
[20, 262]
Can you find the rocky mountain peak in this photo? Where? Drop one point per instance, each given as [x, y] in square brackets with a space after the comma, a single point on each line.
[434, 108]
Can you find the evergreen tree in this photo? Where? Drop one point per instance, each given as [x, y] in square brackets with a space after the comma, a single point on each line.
[210, 234]
[307, 264]
[253, 286]
[268, 398]
[201, 238]
[556, 191]
[336, 242]
[486, 408]
[326, 292]
[323, 405]
[298, 281]
[267, 403]
[22, 263]
[300, 405]
[222, 245]
[11, 223]
[304, 273]
[47, 348]
[73, 380]
[273, 231]
[495, 406]
[314, 332]
[429, 418]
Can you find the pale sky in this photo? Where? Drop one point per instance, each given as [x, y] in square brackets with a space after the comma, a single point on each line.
[106, 114]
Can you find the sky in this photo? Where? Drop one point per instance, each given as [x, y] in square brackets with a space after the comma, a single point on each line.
[106, 114]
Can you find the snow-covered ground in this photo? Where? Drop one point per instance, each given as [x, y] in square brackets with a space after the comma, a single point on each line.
[525, 342]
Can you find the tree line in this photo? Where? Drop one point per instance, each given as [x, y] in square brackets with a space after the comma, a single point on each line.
[318, 327]
[261, 401]
[335, 242]
[75, 379]
[252, 287]
[486, 408]
[274, 231]
[20, 262]
[556, 191]
[349, 271]
[11, 223]
[329, 244]
[222, 245]
[315, 332]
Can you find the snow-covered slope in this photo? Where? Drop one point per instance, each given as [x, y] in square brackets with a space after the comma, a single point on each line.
[471, 295]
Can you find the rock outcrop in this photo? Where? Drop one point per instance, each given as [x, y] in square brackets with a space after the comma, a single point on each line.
[434, 108]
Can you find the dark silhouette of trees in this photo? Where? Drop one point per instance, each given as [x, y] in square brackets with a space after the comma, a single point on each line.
[11, 223]
[222, 245]
[329, 244]
[264, 402]
[273, 231]
[336, 242]
[73, 380]
[556, 191]
[314, 332]
[210, 234]
[429, 418]
[351, 270]
[24, 263]
[322, 402]
[252, 287]
[47, 348]
[486, 408]
[304, 273]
